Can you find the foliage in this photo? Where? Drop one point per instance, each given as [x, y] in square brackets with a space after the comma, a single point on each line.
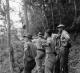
[56, 12]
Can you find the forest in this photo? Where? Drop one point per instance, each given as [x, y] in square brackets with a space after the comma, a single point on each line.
[36, 16]
[50, 13]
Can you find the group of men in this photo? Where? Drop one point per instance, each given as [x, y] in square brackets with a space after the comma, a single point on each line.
[47, 53]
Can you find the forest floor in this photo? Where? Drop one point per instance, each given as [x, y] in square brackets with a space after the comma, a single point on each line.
[74, 58]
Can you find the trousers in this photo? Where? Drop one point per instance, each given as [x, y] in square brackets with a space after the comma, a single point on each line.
[50, 64]
[39, 61]
[64, 61]
[29, 66]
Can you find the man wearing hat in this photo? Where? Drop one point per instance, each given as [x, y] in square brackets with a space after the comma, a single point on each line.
[29, 54]
[40, 53]
[63, 38]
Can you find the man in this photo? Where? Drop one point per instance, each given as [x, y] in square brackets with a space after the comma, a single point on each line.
[63, 41]
[62, 32]
[50, 58]
[29, 54]
[40, 53]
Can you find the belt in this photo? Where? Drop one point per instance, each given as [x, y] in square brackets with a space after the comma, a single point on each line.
[41, 50]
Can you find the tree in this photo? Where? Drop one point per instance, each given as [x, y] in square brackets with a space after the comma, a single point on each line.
[35, 16]
[9, 37]
[55, 12]
[26, 23]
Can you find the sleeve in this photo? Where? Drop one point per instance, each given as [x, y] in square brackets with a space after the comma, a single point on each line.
[65, 35]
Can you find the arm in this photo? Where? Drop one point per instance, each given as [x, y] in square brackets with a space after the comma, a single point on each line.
[65, 35]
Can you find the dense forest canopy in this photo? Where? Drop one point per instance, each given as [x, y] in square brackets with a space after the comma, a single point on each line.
[43, 14]
[55, 12]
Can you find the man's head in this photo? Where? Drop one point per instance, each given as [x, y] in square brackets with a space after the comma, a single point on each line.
[40, 34]
[60, 27]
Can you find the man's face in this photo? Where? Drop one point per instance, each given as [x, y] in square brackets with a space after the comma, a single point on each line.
[45, 35]
[60, 29]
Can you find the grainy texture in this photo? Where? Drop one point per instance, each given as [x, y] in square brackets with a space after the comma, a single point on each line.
[74, 58]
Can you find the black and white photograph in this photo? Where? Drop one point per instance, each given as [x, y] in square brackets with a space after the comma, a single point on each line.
[39, 36]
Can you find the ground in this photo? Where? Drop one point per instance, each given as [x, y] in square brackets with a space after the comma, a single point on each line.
[74, 58]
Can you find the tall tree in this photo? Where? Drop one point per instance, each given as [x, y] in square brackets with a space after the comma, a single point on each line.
[26, 23]
[9, 37]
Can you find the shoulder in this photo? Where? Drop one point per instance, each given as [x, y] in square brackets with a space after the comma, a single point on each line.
[54, 36]
[64, 32]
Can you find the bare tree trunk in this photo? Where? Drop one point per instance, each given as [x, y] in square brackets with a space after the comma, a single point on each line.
[75, 16]
[0, 5]
[59, 11]
[56, 1]
[52, 13]
[26, 16]
[75, 9]
[69, 1]
[9, 36]
[26, 23]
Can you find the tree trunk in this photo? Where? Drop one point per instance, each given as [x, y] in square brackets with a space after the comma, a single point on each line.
[52, 13]
[9, 36]
[0, 5]
[69, 1]
[59, 16]
[75, 16]
[75, 7]
[56, 1]
[26, 22]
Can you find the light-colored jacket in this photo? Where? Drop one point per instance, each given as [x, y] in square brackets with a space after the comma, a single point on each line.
[65, 35]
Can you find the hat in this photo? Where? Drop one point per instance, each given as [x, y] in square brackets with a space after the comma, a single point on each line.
[28, 36]
[40, 34]
[60, 25]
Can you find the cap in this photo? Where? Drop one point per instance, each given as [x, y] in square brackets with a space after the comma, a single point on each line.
[60, 25]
